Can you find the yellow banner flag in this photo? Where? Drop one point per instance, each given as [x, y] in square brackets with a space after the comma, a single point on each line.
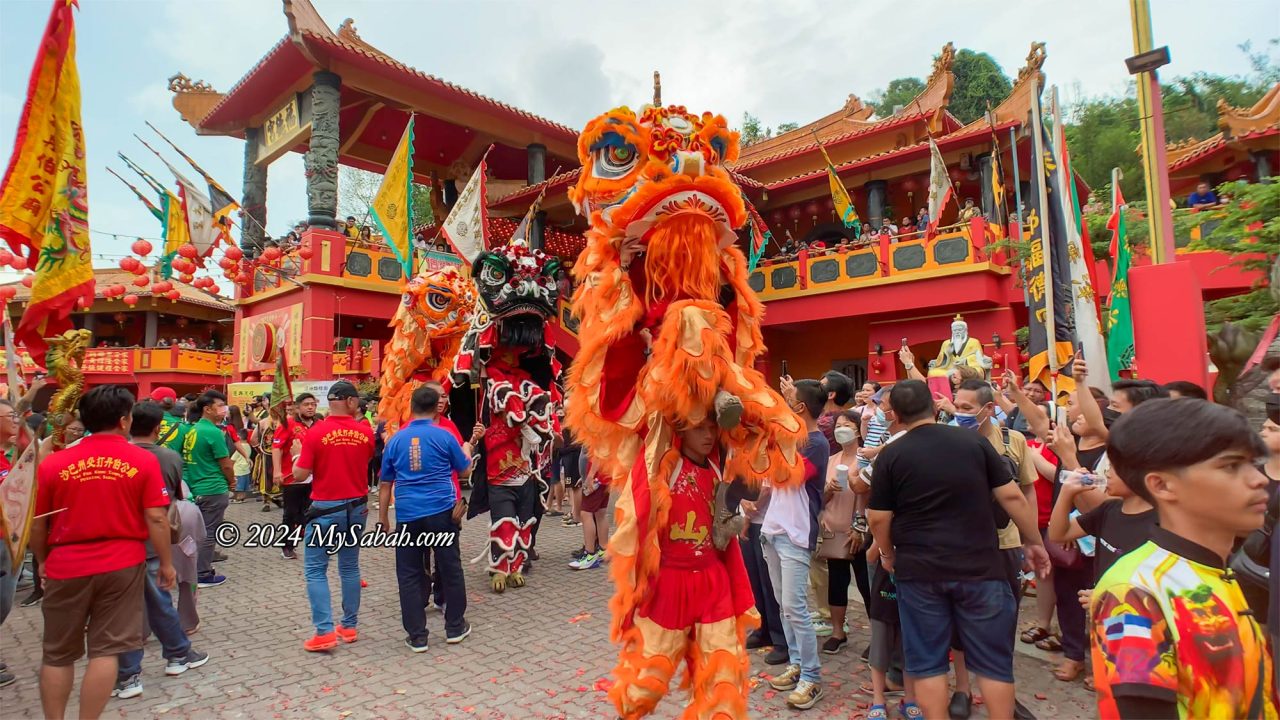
[392, 207]
[839, 195]
[44, 205]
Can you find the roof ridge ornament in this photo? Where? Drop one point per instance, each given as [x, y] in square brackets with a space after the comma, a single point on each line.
[657, 89]
[179, 83]
[942, 63]
[1035, 60]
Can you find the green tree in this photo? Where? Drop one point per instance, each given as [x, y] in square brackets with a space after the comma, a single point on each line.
[980, 82]
[899, 92]
[1249, 231]
[752, 130]
[787, 127]
[356, 189]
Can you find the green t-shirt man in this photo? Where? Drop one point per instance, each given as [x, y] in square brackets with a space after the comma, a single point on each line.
[203, 445]
[172, 431]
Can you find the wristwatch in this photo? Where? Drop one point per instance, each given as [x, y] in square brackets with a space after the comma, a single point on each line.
[909, 366]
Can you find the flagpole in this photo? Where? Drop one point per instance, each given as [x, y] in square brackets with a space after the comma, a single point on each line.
[1037, 136]
[1017, 181]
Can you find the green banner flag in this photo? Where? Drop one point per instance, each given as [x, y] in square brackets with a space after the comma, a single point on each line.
[1118, 318]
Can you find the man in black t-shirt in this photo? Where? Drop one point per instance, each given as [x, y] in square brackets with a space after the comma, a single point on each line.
[931, 514]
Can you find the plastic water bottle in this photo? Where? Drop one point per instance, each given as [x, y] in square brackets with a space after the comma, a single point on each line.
[842, 476]
[1085, 479]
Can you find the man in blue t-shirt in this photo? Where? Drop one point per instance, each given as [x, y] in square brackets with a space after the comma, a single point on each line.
[1203, 197]
[419, 462]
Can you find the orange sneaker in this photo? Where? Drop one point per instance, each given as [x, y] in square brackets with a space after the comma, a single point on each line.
[319, 643]
[346, 634]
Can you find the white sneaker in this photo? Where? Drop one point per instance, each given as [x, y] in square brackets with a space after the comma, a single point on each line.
[130, 688]
[822, 627]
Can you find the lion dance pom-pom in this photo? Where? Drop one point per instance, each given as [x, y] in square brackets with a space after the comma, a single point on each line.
[669, 335]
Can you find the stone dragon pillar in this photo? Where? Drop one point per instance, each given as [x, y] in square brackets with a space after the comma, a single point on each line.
[253, 198]
[322, 157]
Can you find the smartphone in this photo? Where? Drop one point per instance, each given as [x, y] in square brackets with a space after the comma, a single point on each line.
[904, 342]
[785, 371]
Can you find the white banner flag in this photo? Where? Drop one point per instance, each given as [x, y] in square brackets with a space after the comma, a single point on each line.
[468, 221]
[939, 186]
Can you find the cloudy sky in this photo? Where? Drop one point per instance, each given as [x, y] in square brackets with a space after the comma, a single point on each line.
[568, 60]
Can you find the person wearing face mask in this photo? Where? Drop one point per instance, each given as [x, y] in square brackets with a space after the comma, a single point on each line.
[875, 427]
[208, 471]
[974, 409]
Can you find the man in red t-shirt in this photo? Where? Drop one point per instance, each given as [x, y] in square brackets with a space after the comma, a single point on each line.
[338, 450]
[285, 445]
[97, 503]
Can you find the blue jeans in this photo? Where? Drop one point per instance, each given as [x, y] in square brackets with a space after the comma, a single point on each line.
[162, 619]
[981, 611]
[789, 573]
[243, 483]
[315, 565]
[8, 582]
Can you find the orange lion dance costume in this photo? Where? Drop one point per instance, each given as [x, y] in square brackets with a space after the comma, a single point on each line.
[427, 330]
[669, 333]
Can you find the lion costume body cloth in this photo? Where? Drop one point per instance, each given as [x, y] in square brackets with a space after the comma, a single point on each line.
[508, 355]
[427, 330]
[668, 323]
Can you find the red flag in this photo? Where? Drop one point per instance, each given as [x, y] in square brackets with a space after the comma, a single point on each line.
[1113, 222]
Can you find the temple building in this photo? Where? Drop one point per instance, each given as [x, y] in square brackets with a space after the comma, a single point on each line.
[336, 98]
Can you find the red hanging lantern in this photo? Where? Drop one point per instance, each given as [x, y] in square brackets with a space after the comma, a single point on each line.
[305, 252]
[777, 216]
[129, 263]
[1024, 357]
[140, 269]
[18, 263]
[130, 299]
[120, 317]
[235, 253]
[213, 288]
[794, 212]
[141, 281]
[226, 263]
[271, 254]
[186, 278]
[28, 280]
[812, 208]
[877, 365]
[910, 185]
[6, 257]
[117, 290]
[161, 287]
[188, 251]
[82, 303]
[244, 278]
[173, 295]
[7, 292]
[829, 204]
[141, 247]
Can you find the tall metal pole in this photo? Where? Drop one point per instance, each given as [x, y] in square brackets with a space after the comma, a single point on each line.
[1154, 163]
[1037, 167]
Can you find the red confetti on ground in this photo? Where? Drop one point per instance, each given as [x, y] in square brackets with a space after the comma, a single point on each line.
[364, 583]
[326, 688]
[770, 694]
[582, 688]
[603, 684]
[580, 617]
[493, 680]
[581, 672]
[469, 708]
[549, 692]
[1041, 696]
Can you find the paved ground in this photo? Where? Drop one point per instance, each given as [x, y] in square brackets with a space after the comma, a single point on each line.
[538, 652]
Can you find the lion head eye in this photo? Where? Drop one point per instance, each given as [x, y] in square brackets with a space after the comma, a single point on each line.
[613, 157]
[437, 301]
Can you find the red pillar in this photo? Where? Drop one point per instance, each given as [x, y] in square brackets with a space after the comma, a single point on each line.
[328, 251]
[1168, 324]
[978, 236]
[318, 315]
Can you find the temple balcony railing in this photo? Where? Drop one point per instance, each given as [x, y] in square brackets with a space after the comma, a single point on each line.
[337, 260]
[175, 359]
[954, 250]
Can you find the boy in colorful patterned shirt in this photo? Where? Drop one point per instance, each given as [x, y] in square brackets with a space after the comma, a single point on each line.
[1172, 633]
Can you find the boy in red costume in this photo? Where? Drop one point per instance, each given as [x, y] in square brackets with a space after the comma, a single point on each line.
[698, 607]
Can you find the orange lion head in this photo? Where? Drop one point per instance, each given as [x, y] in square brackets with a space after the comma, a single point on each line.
[440, 301]
[640, 173]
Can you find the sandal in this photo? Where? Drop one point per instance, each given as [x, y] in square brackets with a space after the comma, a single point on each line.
[1034, 634]
[1088, 683]
[910, 711]
[1069, 670]
[1050, 644]
[878, 712]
